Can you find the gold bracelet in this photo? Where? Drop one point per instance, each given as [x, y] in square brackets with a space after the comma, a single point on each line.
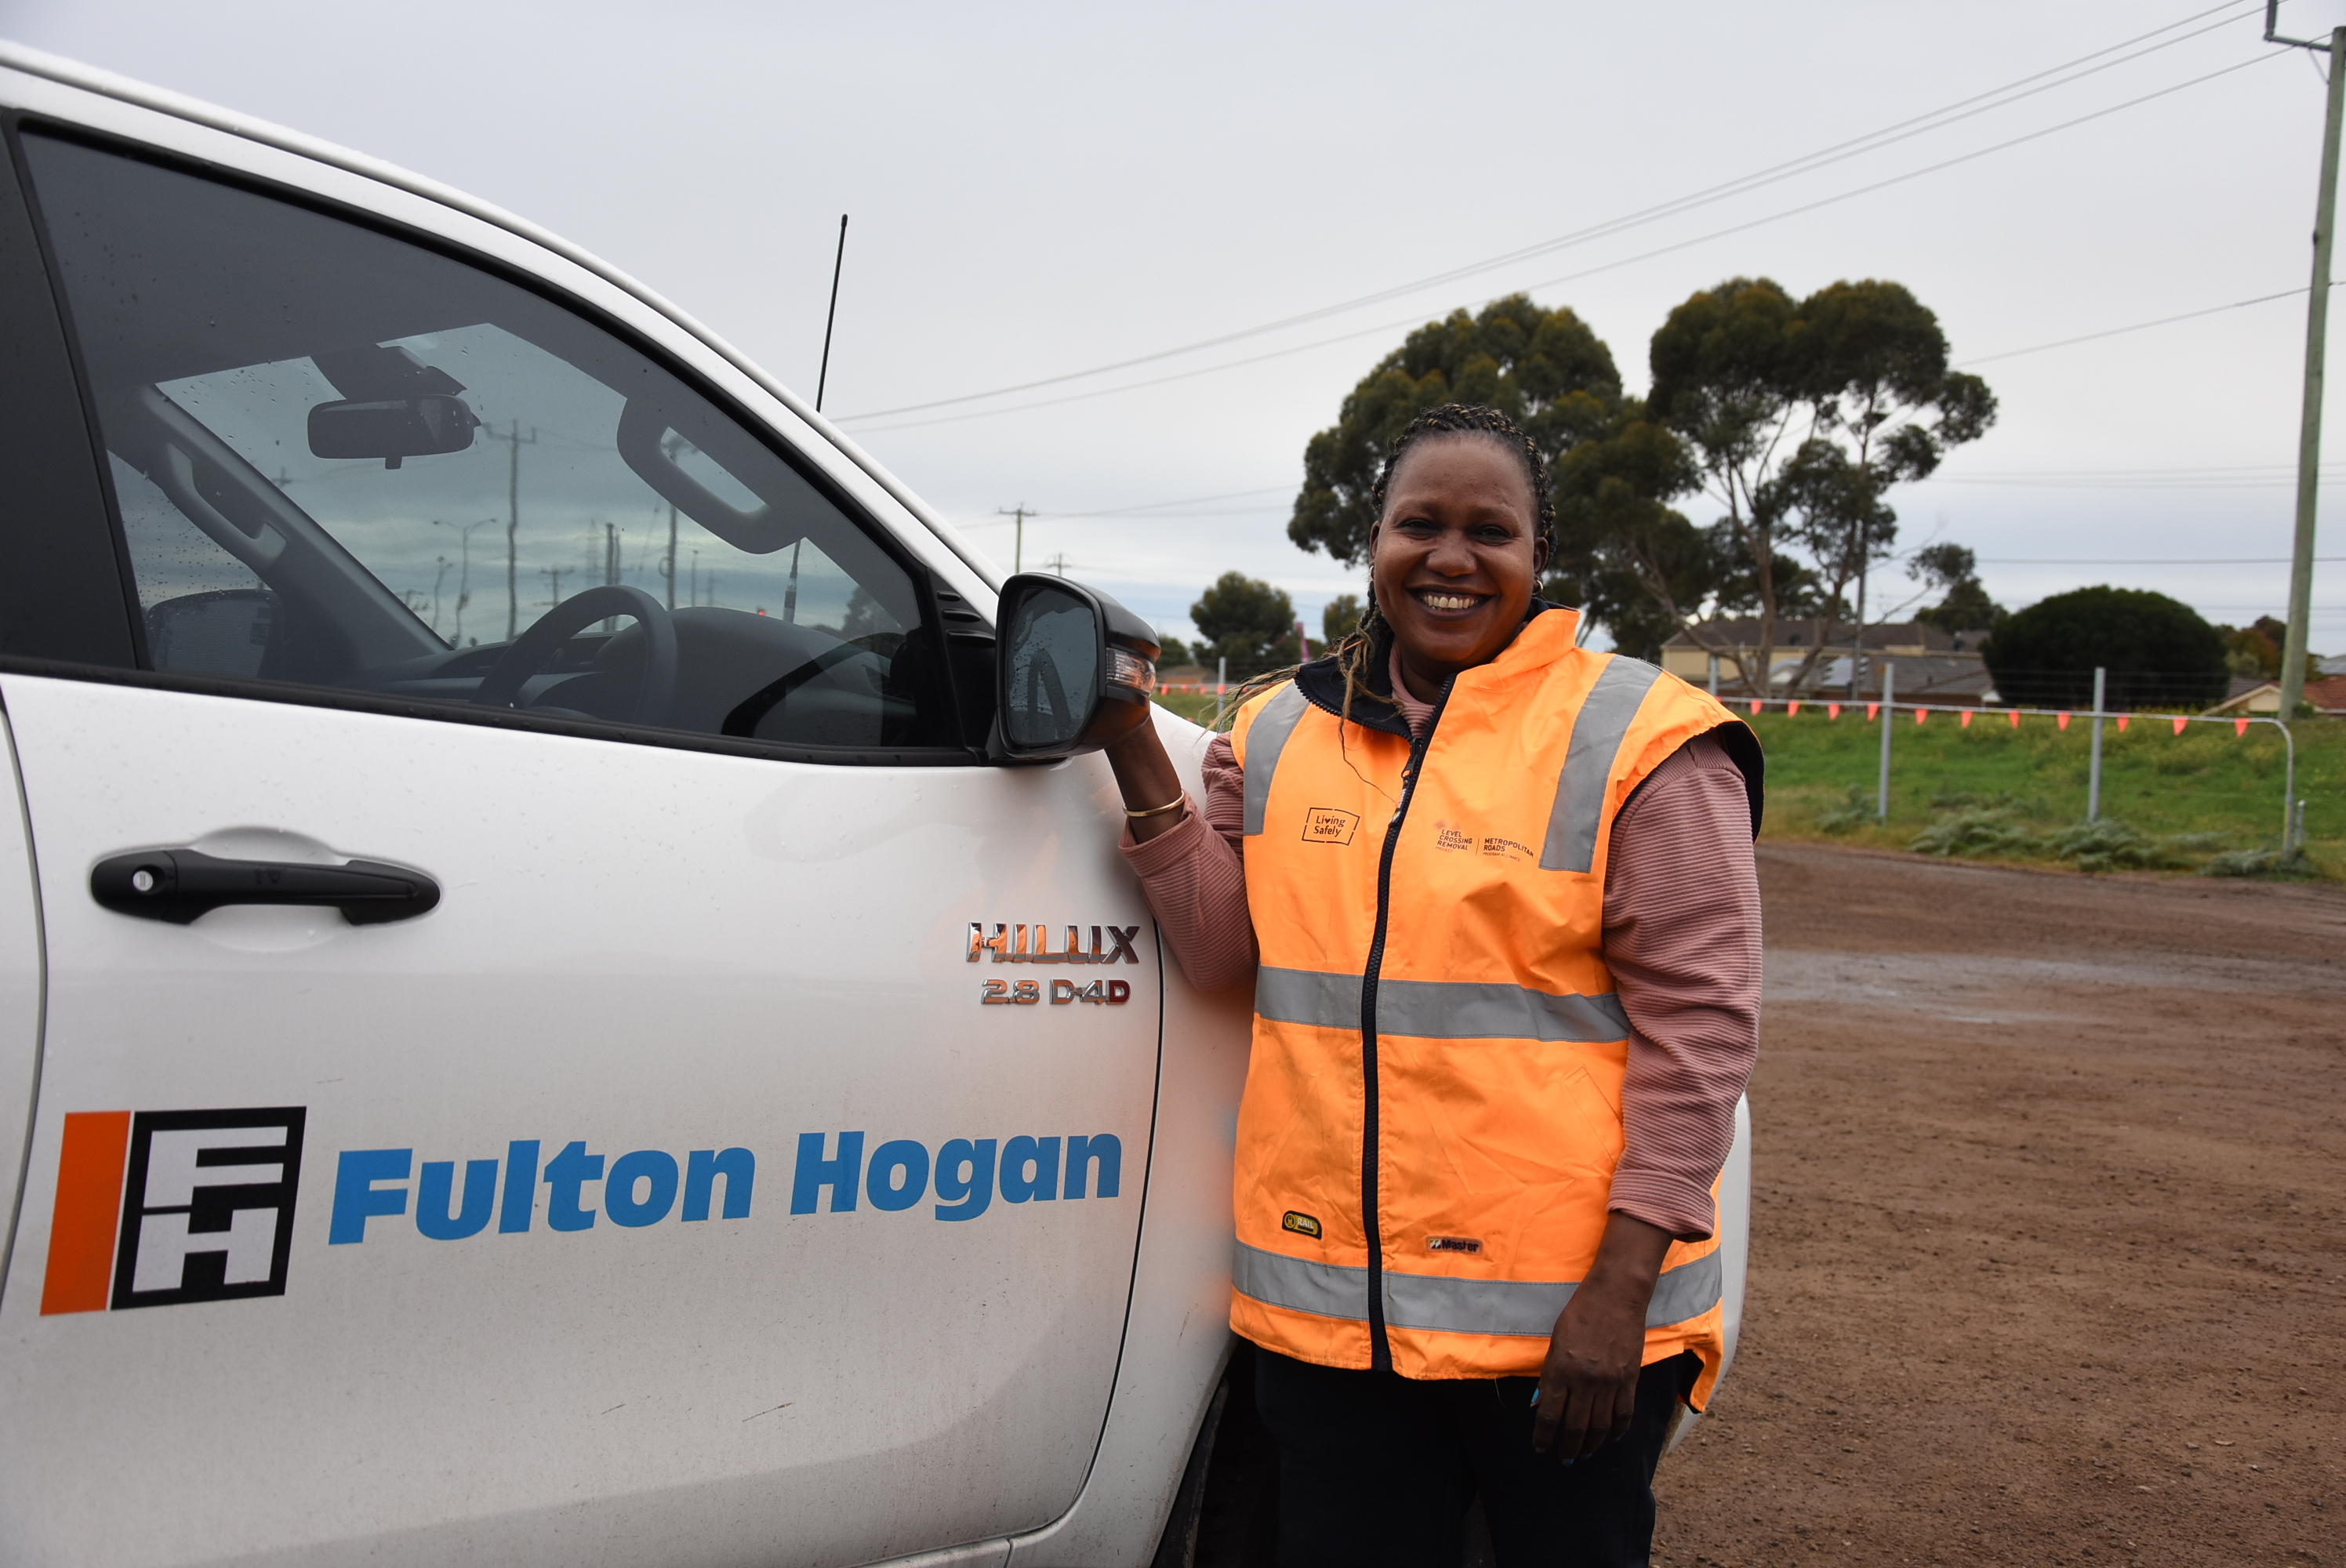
[1175, 804]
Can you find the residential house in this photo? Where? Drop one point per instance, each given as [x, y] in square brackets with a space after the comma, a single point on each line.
[1931, 664]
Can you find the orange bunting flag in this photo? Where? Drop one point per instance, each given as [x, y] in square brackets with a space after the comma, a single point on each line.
[2122, 722]
[2239, 727]
[1967, 718]
[2061, 719]
[1870, 709]
[2179, 724]
[1832, 711]
[1755, 705]
[2016, 719]
[1920, 714]
[1792, 707]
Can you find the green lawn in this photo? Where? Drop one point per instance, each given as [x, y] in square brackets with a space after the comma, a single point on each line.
[2006, 793]
[1196, 709]
[1993, 791]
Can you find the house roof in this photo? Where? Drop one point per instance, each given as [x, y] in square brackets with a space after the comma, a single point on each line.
[2328, 695]
[1743, 632]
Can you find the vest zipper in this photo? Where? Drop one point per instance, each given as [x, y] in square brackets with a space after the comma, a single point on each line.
[1371, 1225]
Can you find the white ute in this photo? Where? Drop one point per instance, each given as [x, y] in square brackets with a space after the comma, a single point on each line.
[542, 1019]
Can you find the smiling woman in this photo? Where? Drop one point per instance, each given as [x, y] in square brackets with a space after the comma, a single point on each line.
[1497, 893]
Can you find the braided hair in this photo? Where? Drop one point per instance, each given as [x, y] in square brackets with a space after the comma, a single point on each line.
[1362, 649]
[1366, 646]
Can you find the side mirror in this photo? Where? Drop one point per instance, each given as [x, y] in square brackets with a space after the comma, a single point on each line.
[1073, 669]
[392, 427]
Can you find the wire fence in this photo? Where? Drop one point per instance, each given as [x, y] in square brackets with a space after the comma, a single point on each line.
[2124, 690]
[1965, 714]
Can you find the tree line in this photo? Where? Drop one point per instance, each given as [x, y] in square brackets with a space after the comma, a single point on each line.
[1792, 418]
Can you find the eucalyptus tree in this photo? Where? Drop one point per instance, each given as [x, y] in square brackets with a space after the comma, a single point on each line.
[1541, 368]
[1800, 414]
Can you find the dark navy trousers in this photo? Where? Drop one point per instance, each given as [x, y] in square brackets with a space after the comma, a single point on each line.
[1378, 1469]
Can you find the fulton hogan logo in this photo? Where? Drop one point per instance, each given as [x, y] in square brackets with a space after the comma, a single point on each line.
[158, 1207]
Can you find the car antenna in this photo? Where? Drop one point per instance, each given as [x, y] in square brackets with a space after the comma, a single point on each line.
[831, 315]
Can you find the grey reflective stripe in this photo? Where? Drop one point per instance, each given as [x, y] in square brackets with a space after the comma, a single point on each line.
[1438, 1009]
[1686, 1292]
[1266, 738]
[1529, 1308]
[1466, 1009]
[1325, 1290]
[1605, 714]
[1305, 996]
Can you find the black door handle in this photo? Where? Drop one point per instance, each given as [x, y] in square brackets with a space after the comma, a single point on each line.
[178, 885]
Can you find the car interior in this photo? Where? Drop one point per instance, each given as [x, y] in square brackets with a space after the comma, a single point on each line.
[343, 458]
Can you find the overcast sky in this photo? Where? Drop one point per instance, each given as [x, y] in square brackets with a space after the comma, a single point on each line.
[1038, 190]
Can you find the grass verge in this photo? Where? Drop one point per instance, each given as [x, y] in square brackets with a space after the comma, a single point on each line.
[2207, 799]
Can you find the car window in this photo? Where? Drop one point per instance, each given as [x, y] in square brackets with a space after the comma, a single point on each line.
[344, 460]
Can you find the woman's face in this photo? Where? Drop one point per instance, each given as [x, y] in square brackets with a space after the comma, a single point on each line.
[1456, 556]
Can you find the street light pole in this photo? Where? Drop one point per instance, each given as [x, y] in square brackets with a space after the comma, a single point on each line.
[2317, 331]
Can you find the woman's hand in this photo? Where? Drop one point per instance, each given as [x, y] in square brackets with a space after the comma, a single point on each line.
[1589, 1387]
[1144, 773]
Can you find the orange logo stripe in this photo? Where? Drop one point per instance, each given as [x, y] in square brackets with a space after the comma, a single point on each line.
[88, 1209]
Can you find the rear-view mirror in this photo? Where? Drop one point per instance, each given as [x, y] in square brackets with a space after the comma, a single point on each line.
[1073, 670]
[392, 427]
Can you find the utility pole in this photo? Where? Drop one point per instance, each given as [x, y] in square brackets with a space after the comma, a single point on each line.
[1889, 715]
[610, 568]
[464, 573]
[2317, 331]
[1019, 550]
[513, 525]
[667, 563]
[2094, 769]
[831, 315]
[1857, 641]
[791, 595]
[1057, 563]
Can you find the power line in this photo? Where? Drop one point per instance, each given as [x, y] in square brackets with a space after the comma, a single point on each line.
[2125, 472]
[1902, 178]
[2136, 327]
[2110, 561]
[1416, 317]
[1935, 119]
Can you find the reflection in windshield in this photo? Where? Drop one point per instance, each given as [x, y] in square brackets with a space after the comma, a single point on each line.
[278, 390]
[546, 455]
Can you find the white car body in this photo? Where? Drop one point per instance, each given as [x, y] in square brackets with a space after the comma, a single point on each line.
[651, 948]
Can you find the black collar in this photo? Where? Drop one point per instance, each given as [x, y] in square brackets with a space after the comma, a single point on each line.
[1322, 683]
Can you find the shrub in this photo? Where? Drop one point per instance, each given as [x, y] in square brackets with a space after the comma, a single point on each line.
[1850, 815]
[2266, 864]
[1978, 831]
[2110, 845]
[2159, 651]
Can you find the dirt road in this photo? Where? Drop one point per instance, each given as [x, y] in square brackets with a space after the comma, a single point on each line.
[2047, 1260]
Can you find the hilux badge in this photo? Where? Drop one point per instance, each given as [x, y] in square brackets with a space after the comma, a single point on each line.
[1032, 945]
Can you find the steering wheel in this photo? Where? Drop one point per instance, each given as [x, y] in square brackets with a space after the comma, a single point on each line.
[536, 647]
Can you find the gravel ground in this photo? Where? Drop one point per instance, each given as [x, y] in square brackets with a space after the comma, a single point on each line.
[2045, 1240]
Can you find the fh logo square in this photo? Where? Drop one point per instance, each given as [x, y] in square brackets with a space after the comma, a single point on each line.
[158, 1207]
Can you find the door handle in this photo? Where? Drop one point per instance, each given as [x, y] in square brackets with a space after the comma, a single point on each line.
[178, 885]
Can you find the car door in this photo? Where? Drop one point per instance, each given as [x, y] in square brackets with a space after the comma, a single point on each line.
[20, 978]
[545, 1053]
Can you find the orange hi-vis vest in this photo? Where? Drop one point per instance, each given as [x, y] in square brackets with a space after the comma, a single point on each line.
[1433, 1109]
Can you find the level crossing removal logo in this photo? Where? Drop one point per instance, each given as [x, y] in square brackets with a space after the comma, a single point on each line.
[158, 1207]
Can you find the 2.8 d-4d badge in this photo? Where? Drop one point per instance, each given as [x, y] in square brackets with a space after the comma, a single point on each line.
[1013, 944]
